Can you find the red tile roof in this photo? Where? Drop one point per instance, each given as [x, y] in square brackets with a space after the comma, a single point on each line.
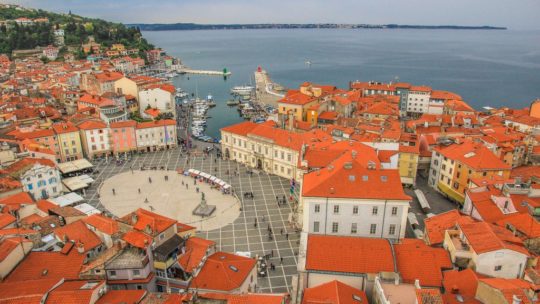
[122, 297]
[137, 239]
[483, 238]
[522, 222]
[462, 283]
[92, 125]
[64, 127]
[8, 244]
[6, 219]
[123, 124]
[144, 218]
[25, 292]
[411, 252]
[437, 225]
[349, 254]
[294, 97]
[195, 251]
[78, 233]
[26, 163]
[102, 223]
[349, 177]
[474, 155]
[510, 288]
[334, 292]
[48, 265]
[14, 202]
[156, 123]
[73, 292]
[224, 272]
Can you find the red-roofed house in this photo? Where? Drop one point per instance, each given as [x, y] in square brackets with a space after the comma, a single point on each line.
[488, 249]
[159, 96]
[69, 141]
[352, 260]
[226, 273]
[460, 285]
[95, 138]
[505, 291]
[334, 292]
[12, 251]
[349, 197]
[39, 177]
[156, 135]
[81, 236]
[48, 265]
[123, 136]
[104, 227]
[99, 83]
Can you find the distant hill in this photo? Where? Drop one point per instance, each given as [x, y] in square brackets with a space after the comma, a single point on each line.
[16, 35]
[194, 26]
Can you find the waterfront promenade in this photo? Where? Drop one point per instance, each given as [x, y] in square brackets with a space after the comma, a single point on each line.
[265, 92]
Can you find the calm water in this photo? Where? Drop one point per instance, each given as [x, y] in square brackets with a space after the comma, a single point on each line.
[492, 68]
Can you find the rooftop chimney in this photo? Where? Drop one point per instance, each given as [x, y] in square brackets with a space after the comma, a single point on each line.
[332, 190]
[134, 218]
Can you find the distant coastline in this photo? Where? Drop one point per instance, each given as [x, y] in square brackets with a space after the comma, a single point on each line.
[195, 26]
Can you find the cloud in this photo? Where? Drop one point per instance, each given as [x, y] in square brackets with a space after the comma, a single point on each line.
[523, 14]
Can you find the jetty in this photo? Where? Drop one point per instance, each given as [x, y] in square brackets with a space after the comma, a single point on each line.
[225, 72]
[267, 92]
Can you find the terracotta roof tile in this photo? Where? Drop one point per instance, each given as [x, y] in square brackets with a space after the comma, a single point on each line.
[334, 292]
[80, 234]
[223, 272]
[349, 254]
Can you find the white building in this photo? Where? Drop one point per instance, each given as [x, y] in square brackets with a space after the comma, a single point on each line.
[493, 253]
[418, 99]
[95, 138]
[351, 197]
[39, 177]
[160, 96]
[156, 135]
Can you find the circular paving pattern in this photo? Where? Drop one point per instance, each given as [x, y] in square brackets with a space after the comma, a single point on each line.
[169, 197]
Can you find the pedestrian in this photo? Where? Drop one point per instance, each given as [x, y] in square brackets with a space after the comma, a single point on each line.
[263, 218]
[287, 236]
[281, 232]
[139, 190]
[146, 200]
[182, 183]
[113, 192]
[187, 186]
[272, 252]
[268, 228]
[150, 180]
[284, 199]
[277, 200]
[197, 189]
[195, 181]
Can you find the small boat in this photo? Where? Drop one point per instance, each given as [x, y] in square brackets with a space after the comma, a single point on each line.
[232, 102]
[242, 90]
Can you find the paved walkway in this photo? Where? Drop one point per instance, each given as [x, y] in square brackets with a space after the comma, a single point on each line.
[240, 235]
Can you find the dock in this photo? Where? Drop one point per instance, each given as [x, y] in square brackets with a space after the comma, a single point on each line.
[204, 72]
[266, 92]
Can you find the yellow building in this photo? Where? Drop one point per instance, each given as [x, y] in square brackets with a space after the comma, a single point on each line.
[69, 141]
[452, 168]
[299, 102]
[408, 164]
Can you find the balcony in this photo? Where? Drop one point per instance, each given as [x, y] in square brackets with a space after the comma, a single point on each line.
[460, 251]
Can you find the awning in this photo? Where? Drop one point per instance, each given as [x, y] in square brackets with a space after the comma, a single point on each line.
[205, 175]
[74, 166]
[197, 172]
[221, 183]
[227, 186]
[213, 178]
[87, 209]
[67, 199]
[77, 182]
[191, 171]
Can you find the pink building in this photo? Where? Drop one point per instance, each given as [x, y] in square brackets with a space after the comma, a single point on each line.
[123, 136]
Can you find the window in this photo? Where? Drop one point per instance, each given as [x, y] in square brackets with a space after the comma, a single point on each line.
[317, 208]
[355, 209]
[375, 210]
[30, 186]
[161, 236]
[456, 185]
[394, 210]
[336, 209]
[112, 273]
[498, 268]
[315, 226]
[392, 229]
[373, 229]
[353, 228]
[136, 272]
[335, 227]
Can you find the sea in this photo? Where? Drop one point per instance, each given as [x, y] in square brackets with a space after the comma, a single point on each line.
[486, 67]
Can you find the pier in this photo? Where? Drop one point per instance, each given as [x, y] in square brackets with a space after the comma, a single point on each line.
[266, 91]
[204, 72]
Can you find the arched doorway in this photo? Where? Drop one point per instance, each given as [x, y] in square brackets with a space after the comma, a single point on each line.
[259, 164]
[227, 156]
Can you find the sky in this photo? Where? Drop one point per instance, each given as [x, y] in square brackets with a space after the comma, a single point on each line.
[516, 14]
